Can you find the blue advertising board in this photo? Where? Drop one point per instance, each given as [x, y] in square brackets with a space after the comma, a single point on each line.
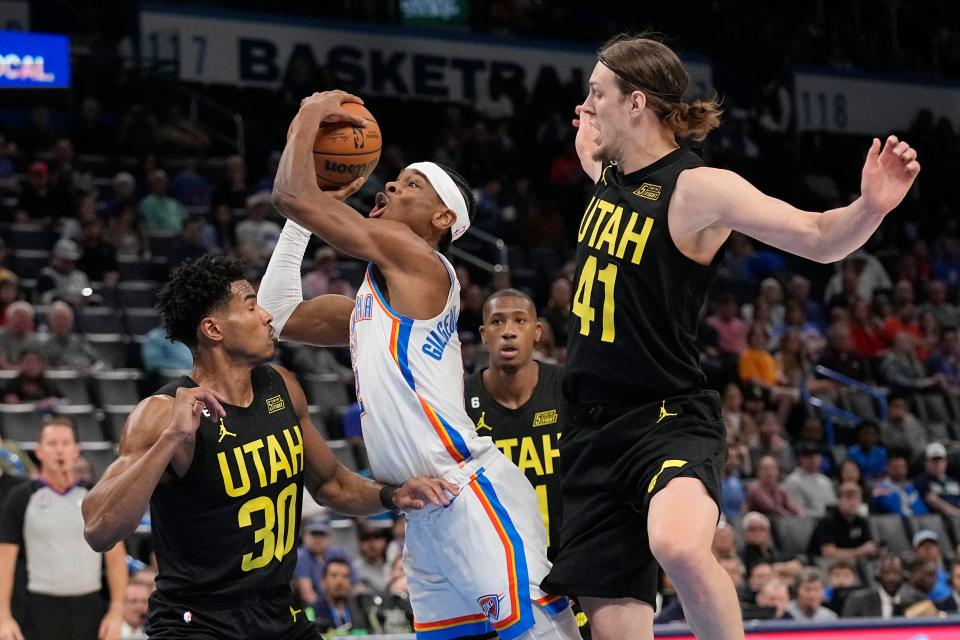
[34, 60]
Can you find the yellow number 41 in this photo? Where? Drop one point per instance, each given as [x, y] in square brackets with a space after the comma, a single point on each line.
[581, 301]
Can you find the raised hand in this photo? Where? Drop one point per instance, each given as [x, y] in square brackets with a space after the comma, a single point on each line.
[328, 105]
[888, 174]
[585, 143]
[190, 404]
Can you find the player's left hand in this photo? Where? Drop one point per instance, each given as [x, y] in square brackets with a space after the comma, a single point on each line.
[419, 491]
[888, 174]
[110, 626]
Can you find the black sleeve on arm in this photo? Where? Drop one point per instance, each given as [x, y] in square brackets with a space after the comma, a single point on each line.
[12, 514]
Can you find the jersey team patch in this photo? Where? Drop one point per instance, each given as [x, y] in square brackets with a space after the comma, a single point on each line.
[648, 191]
[545, 417]
[275, 404]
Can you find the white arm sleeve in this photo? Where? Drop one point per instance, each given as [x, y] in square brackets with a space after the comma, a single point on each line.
[280, 289]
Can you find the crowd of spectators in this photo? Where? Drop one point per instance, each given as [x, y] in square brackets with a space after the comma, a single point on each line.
[840, 384]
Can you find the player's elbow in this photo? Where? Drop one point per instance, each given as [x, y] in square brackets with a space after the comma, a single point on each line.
[95, 528]
[97, 537]
[281, 198]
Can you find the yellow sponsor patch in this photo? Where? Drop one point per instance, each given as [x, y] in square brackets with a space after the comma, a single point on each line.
[648, 191]
[275, 404]
[545, 417]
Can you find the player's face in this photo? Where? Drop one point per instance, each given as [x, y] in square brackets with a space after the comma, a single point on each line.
[409, 199]
[510, 329]
[245, 325]
[609, 112]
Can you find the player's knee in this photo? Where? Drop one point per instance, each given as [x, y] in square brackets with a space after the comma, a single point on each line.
[678, 553]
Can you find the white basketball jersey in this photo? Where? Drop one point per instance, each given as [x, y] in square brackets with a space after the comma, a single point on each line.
[409, 376]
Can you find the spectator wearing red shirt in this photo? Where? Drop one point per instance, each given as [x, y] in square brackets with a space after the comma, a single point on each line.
[865, 331]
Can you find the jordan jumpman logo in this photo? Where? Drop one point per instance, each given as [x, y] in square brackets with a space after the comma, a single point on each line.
[663, 412]
[482, 423]
[294, 612]
[223, 432]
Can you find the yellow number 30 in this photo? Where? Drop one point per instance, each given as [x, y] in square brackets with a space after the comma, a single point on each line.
[582, 307]
[284, 516]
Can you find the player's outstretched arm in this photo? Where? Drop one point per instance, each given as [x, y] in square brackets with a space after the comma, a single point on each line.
[158, 434]
[387, 243]
[716, 199]
[323, 321]
[349, 493]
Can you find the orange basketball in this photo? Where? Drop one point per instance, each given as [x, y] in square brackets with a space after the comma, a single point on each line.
[344, 152]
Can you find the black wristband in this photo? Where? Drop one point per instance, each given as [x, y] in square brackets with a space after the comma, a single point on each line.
[386, 497]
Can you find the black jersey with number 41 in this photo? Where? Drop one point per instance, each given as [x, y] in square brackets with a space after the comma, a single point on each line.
[529, 436]
[229, 527]
[637, 298]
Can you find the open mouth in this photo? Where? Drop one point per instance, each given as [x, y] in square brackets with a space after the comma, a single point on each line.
[508, 351]
[380, 203]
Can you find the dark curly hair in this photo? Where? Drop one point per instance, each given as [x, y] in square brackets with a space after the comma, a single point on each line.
[197, 288]
[468, 196]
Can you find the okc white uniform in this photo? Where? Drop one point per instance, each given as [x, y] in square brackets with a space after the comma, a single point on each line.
[476, 565]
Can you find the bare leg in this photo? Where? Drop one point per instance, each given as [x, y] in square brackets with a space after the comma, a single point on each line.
[619, 618]
[681, 523]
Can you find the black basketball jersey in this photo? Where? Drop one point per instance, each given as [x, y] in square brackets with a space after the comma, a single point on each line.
[528, 436]
[637, 298]
[230, 526]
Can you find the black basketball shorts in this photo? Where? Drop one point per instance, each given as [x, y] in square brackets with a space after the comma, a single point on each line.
[614, 460]
[266, 616]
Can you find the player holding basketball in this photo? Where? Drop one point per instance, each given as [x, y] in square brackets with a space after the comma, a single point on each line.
[475, 566]
[643, 458]
[222, 457]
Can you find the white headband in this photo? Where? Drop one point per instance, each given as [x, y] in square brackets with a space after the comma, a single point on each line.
[449, 193]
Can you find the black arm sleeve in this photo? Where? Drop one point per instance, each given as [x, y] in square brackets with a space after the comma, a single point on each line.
[12, 514]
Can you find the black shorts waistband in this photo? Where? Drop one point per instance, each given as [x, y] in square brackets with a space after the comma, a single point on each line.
[223, 602]
[599, 413]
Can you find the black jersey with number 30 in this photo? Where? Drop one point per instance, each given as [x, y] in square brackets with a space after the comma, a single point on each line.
[637, 298]
[529, 436]
[229, 526]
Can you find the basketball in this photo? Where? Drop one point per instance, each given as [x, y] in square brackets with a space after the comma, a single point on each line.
[343, 152]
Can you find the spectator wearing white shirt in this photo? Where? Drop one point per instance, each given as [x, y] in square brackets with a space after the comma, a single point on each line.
[811, 490]
[256, 232]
